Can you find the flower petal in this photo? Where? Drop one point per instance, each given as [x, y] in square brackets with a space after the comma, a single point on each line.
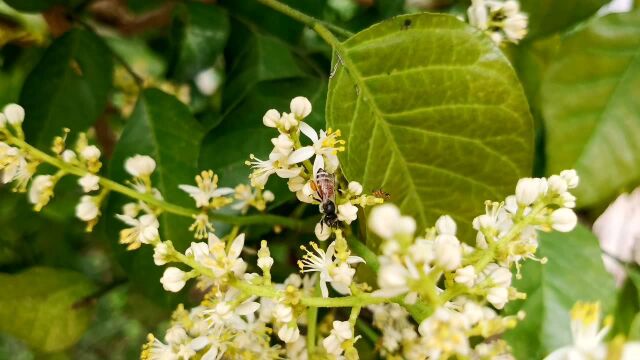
[318, 164]
[308, 130]
[302, 154]
[222, 191]
[236, 247]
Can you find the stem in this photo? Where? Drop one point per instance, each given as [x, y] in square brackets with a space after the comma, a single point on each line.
[291, 223]
[312, 320]
[353, 317]
[310, 21]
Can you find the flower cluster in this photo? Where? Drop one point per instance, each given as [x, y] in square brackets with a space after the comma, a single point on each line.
[501, 20]
[292, 160]
[475, 279]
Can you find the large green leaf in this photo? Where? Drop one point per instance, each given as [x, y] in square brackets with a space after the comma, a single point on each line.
[574, 272]
[37, 306]
[200, 32]
[433, 113]
[162, 127]
[68, 88]
[590, 105]
[550, 16]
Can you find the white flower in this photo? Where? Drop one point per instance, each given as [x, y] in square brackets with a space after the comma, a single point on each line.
[90, 153]
[271, 118]
[500, 276]
[89, 183]
[276, 164]
[342, 276]
[324, 263]
[448, 252]
[355, 188]
[140, 165]
[394, 278]
[325, 148]
[160, 254]
[557, 184]
[289, 333]
[265, 261]
[14, 114]
[207, 189]
[387, 222]
[445, 331]
[87, 210]
[41, 190]
[300, 107]
[571, 177]
[340, 333]
[208, 81]
[141, 231]
[347, 213]
[445, 225]
[215, 256]
[529, 190]
[586, 333]
[563, 220]
[466, 275]
[498, 297]
[515, 26]
[322, 231]
[68, 156]
[478, 15]
[282, 144]
[173, 279]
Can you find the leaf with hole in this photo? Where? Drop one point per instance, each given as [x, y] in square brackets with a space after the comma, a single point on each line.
[433, 113]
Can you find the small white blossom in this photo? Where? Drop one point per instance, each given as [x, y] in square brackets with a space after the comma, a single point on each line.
[282, 144]
[283, 313]
[271, 118]
[140, 165]
[89, 183]
[347, 213]
[69, 156]
[355, 188]
[160, 253]
[563, 220]
[325, 148]
[445, 225]
[87, 210]
[571, 177]
[207, 189]
[448, 252]
[41, 190]
[300, 107]
[289, 333]
[325, 263]
[208, 81]
[466, 275]
[387, 222]
[141, 231]
[498, 297]
[340, 333]
[14, 114]
[276, 164]
[529, 189]
[173, 279]
[90, 153]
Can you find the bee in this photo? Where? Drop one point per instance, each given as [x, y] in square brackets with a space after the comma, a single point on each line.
[325, 187]
[379, 193]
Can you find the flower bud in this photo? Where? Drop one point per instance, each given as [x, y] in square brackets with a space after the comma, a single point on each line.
[571, 177]
[289, 334]
[89, 183]
[283, 313]
[448, 252]
[465, 275]
[87, 210]
[173, 279]
[268, 196]
[160, 253]
[14, 114]
[347, 212]
[140, 165]
[300, 107]
[529, 189]
[498, 297]
[271, 118]
[68, 156]
[563, 220]
[445, 225]
[355, 188]
[90, 153]
[557, 184]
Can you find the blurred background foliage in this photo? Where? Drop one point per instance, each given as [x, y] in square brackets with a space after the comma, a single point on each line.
[221, 64]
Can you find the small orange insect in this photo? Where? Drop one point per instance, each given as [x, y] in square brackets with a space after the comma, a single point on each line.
[379, 193]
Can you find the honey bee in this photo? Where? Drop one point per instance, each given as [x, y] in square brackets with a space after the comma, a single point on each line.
[325, 187]
[379, 193]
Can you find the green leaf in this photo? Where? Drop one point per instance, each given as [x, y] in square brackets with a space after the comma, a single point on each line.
[627, 307]
[200, 32]
[590, 107]
[432, 113]
[37, 306]
[549, 16]
[163, 128]
[574, 266]
[68, 88]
